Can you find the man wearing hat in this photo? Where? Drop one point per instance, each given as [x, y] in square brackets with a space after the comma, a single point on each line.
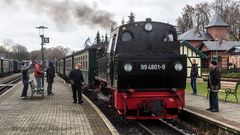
[214, 86]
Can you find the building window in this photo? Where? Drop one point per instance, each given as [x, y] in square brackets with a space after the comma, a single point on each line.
[238, 62]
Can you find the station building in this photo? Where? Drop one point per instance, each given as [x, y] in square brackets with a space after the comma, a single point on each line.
[213, 42]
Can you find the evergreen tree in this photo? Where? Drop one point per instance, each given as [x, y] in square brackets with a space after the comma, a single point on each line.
[106, 38]
[98, 38]
[123, 21]
[102, 39]
[131, 18]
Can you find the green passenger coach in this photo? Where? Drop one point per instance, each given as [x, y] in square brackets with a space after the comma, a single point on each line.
[87, 57]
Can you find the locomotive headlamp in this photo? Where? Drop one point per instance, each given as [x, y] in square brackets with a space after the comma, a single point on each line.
[128, 67]
[178, 66]
[124, 28]
[148, 27]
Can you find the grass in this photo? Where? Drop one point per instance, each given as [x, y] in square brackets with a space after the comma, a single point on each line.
[202, 90]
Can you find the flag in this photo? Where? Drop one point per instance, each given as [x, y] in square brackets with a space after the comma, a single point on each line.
[87, 43]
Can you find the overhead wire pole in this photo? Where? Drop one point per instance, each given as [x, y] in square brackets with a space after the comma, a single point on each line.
[217, 50]
[43, 40]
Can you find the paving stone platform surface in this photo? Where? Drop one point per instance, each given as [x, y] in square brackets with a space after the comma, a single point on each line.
[49, 115]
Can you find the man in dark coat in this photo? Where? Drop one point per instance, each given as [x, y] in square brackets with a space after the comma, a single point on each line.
[25, 78]
[50, 78]
[214, 86]
[194, 75]
[76, 79]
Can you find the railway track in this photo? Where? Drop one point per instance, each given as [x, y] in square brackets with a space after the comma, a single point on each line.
[8, 82]
[162, 127]
[180, 131]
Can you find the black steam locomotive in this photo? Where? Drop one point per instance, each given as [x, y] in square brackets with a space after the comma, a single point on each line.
[141, 73]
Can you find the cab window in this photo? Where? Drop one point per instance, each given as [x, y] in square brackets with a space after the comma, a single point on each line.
[126, 36]
[168, 38]
[112, 43]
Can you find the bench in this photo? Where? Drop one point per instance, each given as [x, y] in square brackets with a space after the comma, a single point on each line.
[229, 88]
[35, 89]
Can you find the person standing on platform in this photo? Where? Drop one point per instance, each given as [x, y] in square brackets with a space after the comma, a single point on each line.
[50, 78]
[213, 86]
[25, 78]
[194, 75]
[38, 73]
[76, 79]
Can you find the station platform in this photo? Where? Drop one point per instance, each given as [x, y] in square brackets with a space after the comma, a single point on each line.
[227, 117]
[50, 115]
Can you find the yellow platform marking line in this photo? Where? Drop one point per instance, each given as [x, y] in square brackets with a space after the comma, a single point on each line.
[109, 125]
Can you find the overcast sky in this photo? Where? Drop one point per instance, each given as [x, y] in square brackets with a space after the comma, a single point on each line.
[18, 18]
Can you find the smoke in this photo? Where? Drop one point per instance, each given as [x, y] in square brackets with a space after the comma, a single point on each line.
[102, 97]
[67, 12]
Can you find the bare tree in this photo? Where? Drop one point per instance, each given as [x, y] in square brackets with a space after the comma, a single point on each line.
[201, 15]
[185, 22]
[2, 49]
[19, 52]
[221, 6]
[7, 44]
[230, 12]
[35, 55]
[2, 52]
[57, 52]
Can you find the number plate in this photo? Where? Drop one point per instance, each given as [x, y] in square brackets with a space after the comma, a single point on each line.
[152, 67]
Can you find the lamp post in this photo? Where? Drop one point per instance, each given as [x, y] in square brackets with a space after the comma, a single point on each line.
[216, 50]
[43, 40]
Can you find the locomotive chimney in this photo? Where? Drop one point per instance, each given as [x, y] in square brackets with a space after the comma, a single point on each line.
[148, 19]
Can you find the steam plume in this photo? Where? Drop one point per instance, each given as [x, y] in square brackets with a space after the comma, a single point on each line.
[67, 12]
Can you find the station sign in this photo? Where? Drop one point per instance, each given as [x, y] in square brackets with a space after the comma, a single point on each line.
[46, 40]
